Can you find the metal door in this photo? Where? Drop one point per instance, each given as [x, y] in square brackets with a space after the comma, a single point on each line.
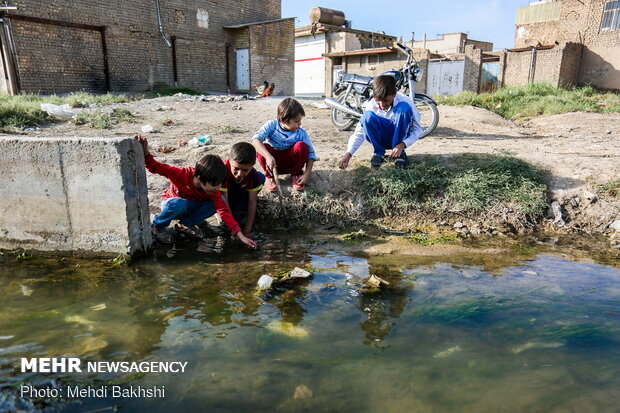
[310, 66]
[445, 78]
[489, 77]
[243, 69]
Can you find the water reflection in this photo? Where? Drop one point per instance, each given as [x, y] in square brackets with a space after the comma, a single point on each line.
[540, 334]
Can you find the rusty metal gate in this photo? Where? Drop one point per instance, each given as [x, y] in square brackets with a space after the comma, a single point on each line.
[489, 77]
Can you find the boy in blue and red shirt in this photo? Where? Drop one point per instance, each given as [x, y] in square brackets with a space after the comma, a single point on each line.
[283, 145]
[242, 185]
[192, 197]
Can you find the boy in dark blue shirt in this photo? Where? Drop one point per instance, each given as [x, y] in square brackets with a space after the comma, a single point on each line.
[242, 185]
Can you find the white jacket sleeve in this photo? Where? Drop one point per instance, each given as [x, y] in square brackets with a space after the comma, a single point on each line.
[356, 140]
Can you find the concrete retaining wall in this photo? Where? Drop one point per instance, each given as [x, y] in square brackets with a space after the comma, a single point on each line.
[84, 195]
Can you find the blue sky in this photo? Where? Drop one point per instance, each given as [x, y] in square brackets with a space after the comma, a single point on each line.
[485, 20]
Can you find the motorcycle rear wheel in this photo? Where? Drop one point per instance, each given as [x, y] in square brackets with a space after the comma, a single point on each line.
[341, 120]
[429, 115]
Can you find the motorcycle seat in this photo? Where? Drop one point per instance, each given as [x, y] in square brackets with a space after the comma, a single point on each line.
[353, 78]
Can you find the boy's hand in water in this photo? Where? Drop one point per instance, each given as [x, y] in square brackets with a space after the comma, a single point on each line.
[245, 240]
[144, 142]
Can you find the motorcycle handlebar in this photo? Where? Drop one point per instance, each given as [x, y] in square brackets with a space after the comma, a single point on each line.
[402, 46]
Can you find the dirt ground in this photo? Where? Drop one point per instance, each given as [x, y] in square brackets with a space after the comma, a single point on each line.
[577, 149]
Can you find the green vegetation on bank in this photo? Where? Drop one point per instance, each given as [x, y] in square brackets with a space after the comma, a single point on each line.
[468, 185]
[611, 188]
[524, 102]
[21, 111]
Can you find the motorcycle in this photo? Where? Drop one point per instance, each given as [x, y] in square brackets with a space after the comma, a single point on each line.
[352, 91]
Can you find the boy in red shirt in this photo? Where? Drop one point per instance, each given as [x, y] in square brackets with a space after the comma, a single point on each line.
[241, 187]
[192, 197]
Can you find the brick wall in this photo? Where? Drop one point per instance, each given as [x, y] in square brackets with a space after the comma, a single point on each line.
[558, 66]
[52, 62]
[272, 55]
[580, 22]
[471, 73]
[138, 56]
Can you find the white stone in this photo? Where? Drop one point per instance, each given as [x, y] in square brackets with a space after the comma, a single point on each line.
[299, 273]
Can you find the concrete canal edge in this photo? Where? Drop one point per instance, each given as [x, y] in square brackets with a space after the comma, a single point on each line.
[74, 195]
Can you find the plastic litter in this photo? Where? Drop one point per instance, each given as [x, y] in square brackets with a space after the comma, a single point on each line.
[147, 129]
[264, 282]
[556, 209]
[200, 140]
[60, 112]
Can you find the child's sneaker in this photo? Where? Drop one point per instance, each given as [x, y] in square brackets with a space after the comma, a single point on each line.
[401, 162]
[295, 182]
[270, 184]
[376, 161]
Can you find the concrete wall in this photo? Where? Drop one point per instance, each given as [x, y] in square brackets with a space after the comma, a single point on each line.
[53, 58]
[83, 195]
[450, 43]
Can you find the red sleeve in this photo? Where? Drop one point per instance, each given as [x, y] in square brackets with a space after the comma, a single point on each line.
[162, 169]
[224, 212]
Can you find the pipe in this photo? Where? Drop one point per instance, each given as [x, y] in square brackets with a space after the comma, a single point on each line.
[336, 105]
[161, 26]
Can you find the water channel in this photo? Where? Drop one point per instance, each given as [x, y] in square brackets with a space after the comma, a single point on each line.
[533, 331]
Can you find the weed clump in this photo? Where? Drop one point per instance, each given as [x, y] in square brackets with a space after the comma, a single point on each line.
[465, 185]
[17, 112]
[523, 102]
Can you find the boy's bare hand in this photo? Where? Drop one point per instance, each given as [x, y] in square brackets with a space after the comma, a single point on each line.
[344, 161]
[303, 180]
[271, 162]
[398, 149]
[144, 142]
[245, 240]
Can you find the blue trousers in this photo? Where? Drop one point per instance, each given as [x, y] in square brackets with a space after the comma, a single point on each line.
[188, 212]
[385, 133]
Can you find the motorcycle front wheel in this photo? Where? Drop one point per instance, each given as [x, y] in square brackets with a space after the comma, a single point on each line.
[429, 115]
[341, 120]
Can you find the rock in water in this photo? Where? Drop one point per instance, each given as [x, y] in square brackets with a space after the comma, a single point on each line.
[299, 273]
[448, 352]
[302, 392]
[288, 329]
[375, 282]
[536, 345]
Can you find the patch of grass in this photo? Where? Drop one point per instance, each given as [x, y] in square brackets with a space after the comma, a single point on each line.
[103, 120]
[466, 184]
[537, 99]
[83, 99]
[427, 239]
[17, 112]
[357, 237]
[169, 91]
[611, 188]
[231, 129]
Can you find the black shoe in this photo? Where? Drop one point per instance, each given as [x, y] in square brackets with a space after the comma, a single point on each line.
[376, 161]
[401, 162]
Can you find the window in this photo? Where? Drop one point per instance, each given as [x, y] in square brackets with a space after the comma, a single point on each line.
[372, 60]
[611, 16]
[202, 17]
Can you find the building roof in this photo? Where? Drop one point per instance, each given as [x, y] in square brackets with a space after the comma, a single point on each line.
[361, 52]
[322, 28]
[240, 26]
